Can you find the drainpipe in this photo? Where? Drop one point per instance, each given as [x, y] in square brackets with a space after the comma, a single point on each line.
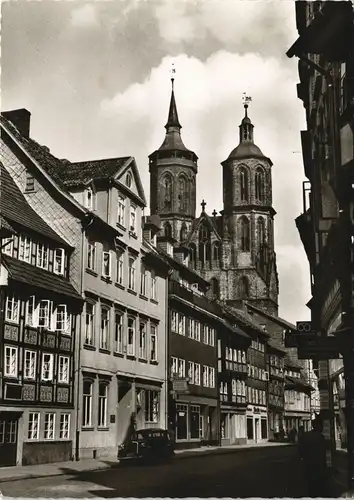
[167, 350]
[85, 225]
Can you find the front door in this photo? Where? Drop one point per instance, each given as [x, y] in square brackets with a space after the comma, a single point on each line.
[8, 440]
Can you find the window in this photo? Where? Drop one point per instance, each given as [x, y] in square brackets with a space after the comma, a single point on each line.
[191, 328]
[8, 246]
[181, 368]
[142, 340]
[174, 321]
[120, 268]
[12, 309]
[102, 405]
[106, 264]
[174, 367]
[42, 256]
[104, 334]
[143, 278]
[206, 376]
[59, 261]
[131, 336]
[211, 377]
[121, 211]
[29, 186]
[63, 370]
[89, 199]
[152, 406]
[44, 313]
[30, 364]
[243, 287]
[243, 184]
[49, 425]
[47, 367]
[153, 285]
[132, 223]
[153, 343]
[206, 334]
[118, 331]
[24, 250]
[197, 331]
[33, 425]
[64, 427]
[196, 373]
[259, 185]
[181, 324]
[61, 318]
[245, 234]
[167, 230]
[89, 324]
[87, 404]
[91, 255]
[191, 372]
[10, 361]
[128, 179]
[211, 337]
[131, 277]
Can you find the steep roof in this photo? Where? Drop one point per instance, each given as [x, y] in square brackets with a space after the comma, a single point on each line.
[26, 273]
[83, 172]
[245, 319]
[297, 382]
[213, 222]
[276, 319]
[276, 346]
[15, 209]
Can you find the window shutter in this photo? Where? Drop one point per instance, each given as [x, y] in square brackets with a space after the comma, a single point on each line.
[67, 322]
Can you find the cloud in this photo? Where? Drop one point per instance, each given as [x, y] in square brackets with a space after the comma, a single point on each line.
[85, 16]
[208, 95]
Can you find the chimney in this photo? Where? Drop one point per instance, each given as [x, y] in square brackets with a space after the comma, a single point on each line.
[21, 118]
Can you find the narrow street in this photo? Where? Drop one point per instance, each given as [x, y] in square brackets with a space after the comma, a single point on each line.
[268, 472]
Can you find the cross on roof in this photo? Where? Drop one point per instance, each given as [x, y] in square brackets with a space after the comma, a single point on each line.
[203, 204]
[214, 214]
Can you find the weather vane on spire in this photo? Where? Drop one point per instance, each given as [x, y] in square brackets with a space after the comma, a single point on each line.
[246, 99]
[173, 72]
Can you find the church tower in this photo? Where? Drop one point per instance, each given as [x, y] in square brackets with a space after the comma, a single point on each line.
[173, 170]
[248, 218]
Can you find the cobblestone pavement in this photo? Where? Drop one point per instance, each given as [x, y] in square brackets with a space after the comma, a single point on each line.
[270, 472]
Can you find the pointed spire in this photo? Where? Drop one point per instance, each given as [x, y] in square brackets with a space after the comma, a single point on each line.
[246, 127]
[172, 120]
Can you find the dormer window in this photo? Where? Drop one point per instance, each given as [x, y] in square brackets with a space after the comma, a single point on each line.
[89, 199]
[132, 223]
[59, 261]
[24, 251]
[7, 246]
[128, 179]
[29, 186]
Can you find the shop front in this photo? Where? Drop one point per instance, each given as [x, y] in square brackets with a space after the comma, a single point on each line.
[233, 426]
[257, 424]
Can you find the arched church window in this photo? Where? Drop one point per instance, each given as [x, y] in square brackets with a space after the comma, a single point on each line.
[245, 234]
[201, 253]
[259, 184]
[167, 230]
[216, 251]
[214, 287]
[183, 232]
[167, 191]
[208, 252]
[243, 184]
[182, 194]
[203, 233]
[192, 253]
[243, 287]
[261, 232]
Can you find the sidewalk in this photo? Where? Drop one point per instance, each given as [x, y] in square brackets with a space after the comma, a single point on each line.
[18, 473]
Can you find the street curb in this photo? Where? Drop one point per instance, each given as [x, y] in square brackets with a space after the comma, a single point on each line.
[192, 454]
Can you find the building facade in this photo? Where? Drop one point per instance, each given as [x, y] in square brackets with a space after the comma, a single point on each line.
[326, 72]
[276, 355]
[297, 398]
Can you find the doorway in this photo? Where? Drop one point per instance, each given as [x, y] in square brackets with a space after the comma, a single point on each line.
[8, 439]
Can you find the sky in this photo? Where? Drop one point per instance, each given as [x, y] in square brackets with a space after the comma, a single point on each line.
[96, 78]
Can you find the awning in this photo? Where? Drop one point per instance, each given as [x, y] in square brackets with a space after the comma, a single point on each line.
[330, 33]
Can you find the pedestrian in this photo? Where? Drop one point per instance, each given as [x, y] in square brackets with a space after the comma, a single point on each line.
[313, 451]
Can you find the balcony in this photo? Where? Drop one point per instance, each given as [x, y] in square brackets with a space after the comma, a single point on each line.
[175, 288]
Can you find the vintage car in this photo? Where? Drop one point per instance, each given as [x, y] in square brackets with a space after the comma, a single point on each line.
[147, 445]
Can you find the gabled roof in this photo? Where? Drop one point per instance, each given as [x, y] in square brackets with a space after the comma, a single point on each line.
[245, 319]
[297, 382]
[4, 225]
[276, 319]
[26, 273]
[15, 209]
[291, 363]
[276, 346]
[213, 223]
[83, 172]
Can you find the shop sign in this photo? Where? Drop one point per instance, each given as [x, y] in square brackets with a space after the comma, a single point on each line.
[180, 385]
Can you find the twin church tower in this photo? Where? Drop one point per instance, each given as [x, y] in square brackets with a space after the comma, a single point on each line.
[233, 250]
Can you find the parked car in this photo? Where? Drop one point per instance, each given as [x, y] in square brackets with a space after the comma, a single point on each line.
[147, 445]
